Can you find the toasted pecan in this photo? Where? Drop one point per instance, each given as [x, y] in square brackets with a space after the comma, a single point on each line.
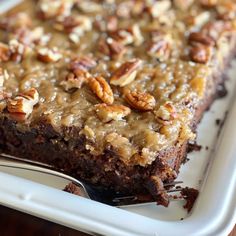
[126, 73]
[200, 54]
[24, 102]
[107, 113]
[140, 101]
[199, 37]
[48, 55]
[101, 88]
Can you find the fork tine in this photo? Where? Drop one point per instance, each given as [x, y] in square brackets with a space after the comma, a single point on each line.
[133, 197]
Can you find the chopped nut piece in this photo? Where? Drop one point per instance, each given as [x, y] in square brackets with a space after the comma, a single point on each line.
[140, 101]
[131, 35]
[15, 21]
[208, 3]
[126, 73]
[89, 6]
[160, 48]
[166, 113]
[215, 29]
[23, 103]
[75, 80]
[124, 9]
[3, 76]
[4, 52]
[137, 35]
[111, 47]
[183, 4]
[198, 37]
[123, 36]
[51, 9]
[121, 145]
[102, 89]
[159, 7]
[109, 24]
[47, 55]
[17, 50]
[75, 26]
[200, 54]
[82, 63]
[138, 7]
[88, 132]
[199, 20]
[226, 10]
[112, 23]
[38, 36]
[107, 113]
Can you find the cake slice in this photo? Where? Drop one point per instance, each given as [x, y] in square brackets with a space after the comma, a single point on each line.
[111, 92]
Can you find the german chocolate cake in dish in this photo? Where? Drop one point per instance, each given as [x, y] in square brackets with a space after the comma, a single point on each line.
[111, 91]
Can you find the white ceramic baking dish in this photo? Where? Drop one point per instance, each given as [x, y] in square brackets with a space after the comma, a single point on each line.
[212, 171]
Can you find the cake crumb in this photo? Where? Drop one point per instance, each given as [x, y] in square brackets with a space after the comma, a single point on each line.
[72, 188]
[190, 195]
[194, 147]
[218, 121]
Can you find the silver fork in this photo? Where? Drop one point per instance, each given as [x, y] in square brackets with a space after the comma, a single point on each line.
[86, 190]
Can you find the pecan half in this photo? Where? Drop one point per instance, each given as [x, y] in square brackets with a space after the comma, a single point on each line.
[102, 89]
[200, 54]
[126, 73]
[75, 80]
[107, 113]
[199, 37]
[140, 101]
[23, 103]
[48, 55]
[4, 52]
[82, 63]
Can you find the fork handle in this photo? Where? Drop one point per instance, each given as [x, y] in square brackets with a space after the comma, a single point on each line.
[22, 165]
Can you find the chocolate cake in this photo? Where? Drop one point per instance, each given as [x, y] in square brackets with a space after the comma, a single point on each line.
[111, 91]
